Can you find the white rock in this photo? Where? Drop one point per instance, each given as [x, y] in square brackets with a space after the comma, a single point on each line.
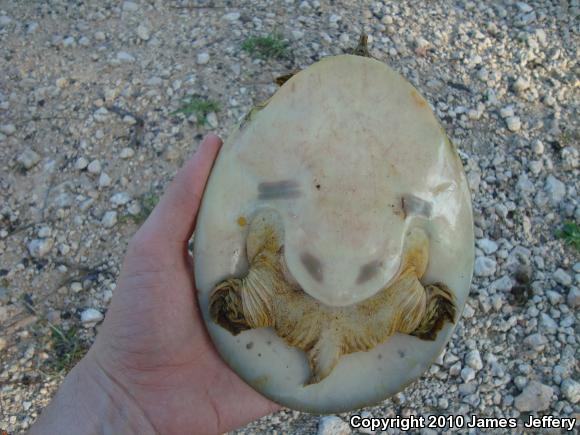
[61, 82]
[535, 397]
[503, 284]
[467, 374]
[5, 20]
[485, 266]
[571, 390]
[44, 232]
[127, 153]
[333, 19]
[506, 112]
[524, 7]
[562, 278]
[486, 245]
[521, 84]
[69, 42]
[468, 311]
[297, 34]
[40, 247]
[76, 287]
[94, 167]
[32, 27]
[143, 32]
[536, 341]
[573, 298]
[555, 189]
[100, 36]
[549, 325]
[63, 249]
[28, 158]
[81, 163]
[333, 425]
[513, 123]
[212, 120]
[90, 317]
[7, 129]
[524, 184]
[554, 297]
[202, 58]
[104, 180]
[101, 114]
[123, 56]
[538, 147]
[473, 360]
[130, 6]
[109, 219]
[232, 16]
[120, 198]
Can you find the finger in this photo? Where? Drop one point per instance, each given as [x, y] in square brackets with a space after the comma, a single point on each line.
[173, 218]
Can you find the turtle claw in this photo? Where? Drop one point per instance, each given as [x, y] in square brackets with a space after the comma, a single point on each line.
[225, 307]
[440, 309]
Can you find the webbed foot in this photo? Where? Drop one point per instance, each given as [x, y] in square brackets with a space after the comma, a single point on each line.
[225, 307]
[440, 309]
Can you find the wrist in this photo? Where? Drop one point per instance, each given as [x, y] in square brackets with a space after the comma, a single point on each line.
[91, 401]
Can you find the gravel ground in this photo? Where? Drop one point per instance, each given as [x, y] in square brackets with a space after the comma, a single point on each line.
[89, 137]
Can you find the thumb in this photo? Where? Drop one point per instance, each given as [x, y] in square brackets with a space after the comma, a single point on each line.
[173, 218]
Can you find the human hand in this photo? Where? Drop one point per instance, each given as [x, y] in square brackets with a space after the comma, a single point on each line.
[153, 357]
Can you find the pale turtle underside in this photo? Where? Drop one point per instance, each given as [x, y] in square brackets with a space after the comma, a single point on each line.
[334, 247]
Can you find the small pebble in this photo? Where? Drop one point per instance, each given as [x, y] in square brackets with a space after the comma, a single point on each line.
[38, 248]
[123, 56]
[7, 129]
[104, 180]
[90, 317]
[202, 58]
[571, 390]
[473, 360]
[109, 219]
[535, 397]
[81, 163]
[94, 167]
[561, 277]
[28, 158]
[127, 153]
[485, 266]
[513, 123]
[120, 198]
[143, 32]
[487, 246]
[573, 298]
[555, 189]
[333, 425]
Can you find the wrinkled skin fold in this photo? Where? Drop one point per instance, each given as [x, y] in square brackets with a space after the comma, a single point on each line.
[265, 298]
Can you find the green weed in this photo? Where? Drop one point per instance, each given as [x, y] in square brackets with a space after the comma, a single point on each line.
[148, 202]
[272, 46]
[67, 349]
[199, 107]
[570, 233]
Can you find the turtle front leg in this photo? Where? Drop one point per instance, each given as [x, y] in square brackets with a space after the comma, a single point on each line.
[440, 308]
[239, 304]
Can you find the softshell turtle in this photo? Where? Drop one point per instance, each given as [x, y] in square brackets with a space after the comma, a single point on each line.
[334, 246]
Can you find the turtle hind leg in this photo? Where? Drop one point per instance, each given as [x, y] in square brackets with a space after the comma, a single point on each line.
[225, 307]
[440, 308]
